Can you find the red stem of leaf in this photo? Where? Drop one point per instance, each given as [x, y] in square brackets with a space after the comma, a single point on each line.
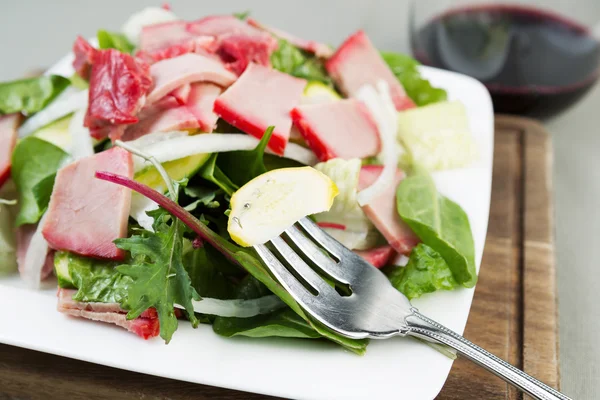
[173, 208]
[332, 225]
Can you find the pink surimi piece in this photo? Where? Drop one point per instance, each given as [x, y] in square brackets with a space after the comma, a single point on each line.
[201, 101]
[357, 62]
[338, 129]
[382, 211]
[86, 215]
[262, 97]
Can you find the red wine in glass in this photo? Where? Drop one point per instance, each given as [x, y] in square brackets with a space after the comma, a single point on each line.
[532, 61]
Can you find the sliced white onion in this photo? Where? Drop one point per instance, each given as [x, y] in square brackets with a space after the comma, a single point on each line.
[66, 103]
[82, 144]
[237, 307]
[156, 137]
[139, 206]
[380, 104]
[185, 146]
[148, 16]
[35, 257]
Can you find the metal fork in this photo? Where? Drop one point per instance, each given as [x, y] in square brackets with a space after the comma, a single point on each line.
[374, 309]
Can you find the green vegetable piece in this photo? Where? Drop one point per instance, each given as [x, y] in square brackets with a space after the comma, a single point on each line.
[425, 272]
[8, 246]
[30, 95]
[111, 40]
[204, 267]
[159, 278]
[78, 82]
[417, 88]
[293, 61]
[34, 166]
[244, 165]
[212, 173]
[57, 133]
[440, 223]
[204, 197]
[242, 15]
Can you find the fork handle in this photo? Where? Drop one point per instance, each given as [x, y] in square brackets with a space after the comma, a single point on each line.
[425, 328]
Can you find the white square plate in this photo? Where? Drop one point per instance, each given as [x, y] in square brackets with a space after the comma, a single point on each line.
[306, 369]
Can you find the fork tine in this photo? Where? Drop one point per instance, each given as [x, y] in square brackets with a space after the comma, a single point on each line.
[315, 254]
[285, 277]
[322, 238]
[301, 268]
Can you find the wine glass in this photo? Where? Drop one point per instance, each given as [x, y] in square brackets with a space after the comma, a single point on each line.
[535, 58]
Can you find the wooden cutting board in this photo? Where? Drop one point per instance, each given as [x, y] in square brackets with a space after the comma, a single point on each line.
[513, 313]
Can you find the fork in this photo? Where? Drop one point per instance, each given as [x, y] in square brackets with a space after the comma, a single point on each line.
[374, 309]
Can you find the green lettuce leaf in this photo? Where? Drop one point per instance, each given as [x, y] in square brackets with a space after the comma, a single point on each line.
[34, 166]
[244, 165]
[417, 88]
[291, 60]
[440, 223]
[30, 95]
[425, 272]
[159, 278]
[112, 40]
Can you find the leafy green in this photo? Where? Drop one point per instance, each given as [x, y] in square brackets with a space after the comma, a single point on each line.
[95, 280]
[8, 247]
[159, 278]
[30, 95]
[78, 82]
[206, 275]
[244, 165]
[203, 196]
[242, 15]
[425, 272]
[212, 173]
[440, 223]
[271, 162]
[417, 88]
[291, 60]
[112, 40]
[34, 166]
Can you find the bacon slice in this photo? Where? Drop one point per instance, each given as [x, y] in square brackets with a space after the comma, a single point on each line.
[357, 62]
[338, 129]
[8, 139]
[262, 97]
[383, 214]
[86, 215]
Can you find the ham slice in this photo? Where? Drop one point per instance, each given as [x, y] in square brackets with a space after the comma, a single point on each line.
[8, 139]
[172, 73]
[319, 49]
[181, 94]
[338, 129]
[378, 257]
[357, 62]
[145, 326]
[262, 97]
[383, 214]
[86, 215]
[201, 101]
[161, 36]
[24, 235]
[200, 45]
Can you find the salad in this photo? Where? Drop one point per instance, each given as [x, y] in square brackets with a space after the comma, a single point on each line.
[141, 180]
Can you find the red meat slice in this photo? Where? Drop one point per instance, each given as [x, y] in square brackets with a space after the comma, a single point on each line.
[378, 257]
[8, 139]
[338, 129]
[172, 73]
[262, 97]
[383, 214]
[357, 62]
[84, 55]
[86, 215]
[201, 45]
[201, 101]
[118, 87]
[145, 326]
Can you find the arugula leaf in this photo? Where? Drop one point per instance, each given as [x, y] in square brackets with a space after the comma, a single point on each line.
[417, 88]
[425, 272]
[34, 166]
[242, 15]
[212, 173]
[112, 40]
[204, 197]
[293, 61]
[440, 223]
[244, 165]
[159, 278]
[30, 95]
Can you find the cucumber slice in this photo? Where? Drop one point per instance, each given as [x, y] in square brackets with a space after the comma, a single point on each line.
[317, 92]
[61, 270]
[8, 255]
[57, 133]
[177, 170]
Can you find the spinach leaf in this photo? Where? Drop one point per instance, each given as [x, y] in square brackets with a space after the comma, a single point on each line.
[417, 88]
[30, 95]
[111, 40]
[440, 223]
[244, 165]
[95, 280]
[212, 173]
[204, 267]
[425, 272]
[159, 278]
[272, 162]
[293, 61]
[34, 166]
